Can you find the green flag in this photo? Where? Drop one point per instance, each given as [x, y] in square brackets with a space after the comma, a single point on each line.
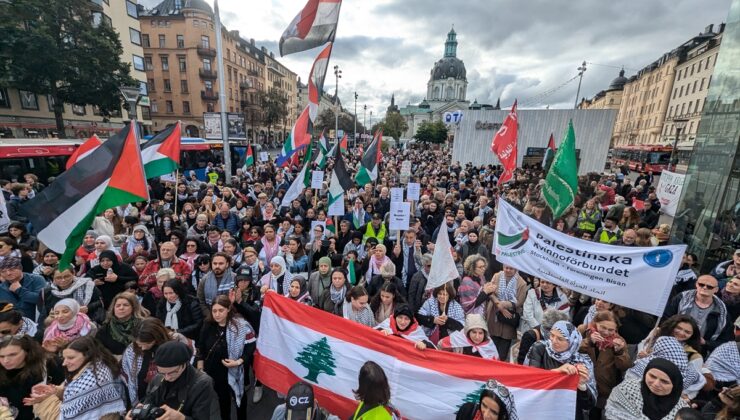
[351, 272]
[561, 184]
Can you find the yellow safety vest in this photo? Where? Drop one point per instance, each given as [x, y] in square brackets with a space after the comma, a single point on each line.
[604, 238]
[212, 177]
[370, 233]
[377, 413]
[589, 222]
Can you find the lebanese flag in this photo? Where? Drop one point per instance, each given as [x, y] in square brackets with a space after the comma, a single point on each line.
[298, 342]
[315, 25]
[299, 136]
[504, 145]
[112, 175]
[316, 81]
[161, 154]
[84, 150]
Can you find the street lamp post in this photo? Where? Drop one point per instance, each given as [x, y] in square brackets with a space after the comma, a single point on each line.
[354, 135]
[364, 121]
[337, 75]
[680, 124]
[581, 70]
[131, 94]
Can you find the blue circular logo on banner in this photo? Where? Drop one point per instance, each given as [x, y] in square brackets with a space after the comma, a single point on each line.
[658, 258]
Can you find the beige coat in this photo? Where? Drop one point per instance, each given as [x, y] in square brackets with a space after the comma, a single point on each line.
[498, 329]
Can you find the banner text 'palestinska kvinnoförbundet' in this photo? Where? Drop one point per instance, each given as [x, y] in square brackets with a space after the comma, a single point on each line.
[634, 277]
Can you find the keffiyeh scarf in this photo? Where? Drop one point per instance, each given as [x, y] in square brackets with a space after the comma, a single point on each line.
[431, 308]
[486, 349]
[625, 401]
[507, 290]
[238, 334]
[335, 295]
[28, 327]
[80, 290]
[213, 288]
[92, 394]
[687, 301]
[670, 349]
[571, 355]
[724, 362]
[364, 316]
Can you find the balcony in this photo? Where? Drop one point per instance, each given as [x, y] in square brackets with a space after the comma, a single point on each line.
[253, 72]
[208, 95]
[207, 74]
[246, 85]
[206, 51]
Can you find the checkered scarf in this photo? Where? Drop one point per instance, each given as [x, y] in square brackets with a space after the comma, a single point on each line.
[507, 291]
[238, 334]
[571, 355]
[431, 308]
[687, 301]
[93, 394]
[670, 349]
[724, 362]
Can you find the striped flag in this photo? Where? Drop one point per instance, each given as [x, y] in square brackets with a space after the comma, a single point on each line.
[299, 136]
[248, 159]
[343, 144]
[351, 275]
[301, 181]
[316, 81]
[370, 160]
[323, 152]
[341, 181]
[112, 176]
[161, 154]
[84, 150]
[315, 25]
[549, 153]
[298, 342]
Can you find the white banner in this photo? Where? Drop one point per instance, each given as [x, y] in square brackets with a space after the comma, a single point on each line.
[317, 179]
[400, 213]
[669, 191]
[413, 190]
[4, 218]
[633, 277]
[396, 195]
[336, 208]
[264, 156]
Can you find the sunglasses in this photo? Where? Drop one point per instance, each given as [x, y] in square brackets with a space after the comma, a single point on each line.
[498, 388]
[705, 286]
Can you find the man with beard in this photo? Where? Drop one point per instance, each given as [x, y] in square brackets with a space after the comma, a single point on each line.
[217, 282]
[450, 226]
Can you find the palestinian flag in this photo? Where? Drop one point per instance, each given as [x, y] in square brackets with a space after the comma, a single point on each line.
[549, 153]
[301, 181]
[370, 160]
[248, 159]
[351, 275]
[161, 154]
[316, 81]
[343, 144]
[299, 136]
[84, 150]
[299, 342]
[323, 153]
[112, 176]
[341, 181]
[315, 24]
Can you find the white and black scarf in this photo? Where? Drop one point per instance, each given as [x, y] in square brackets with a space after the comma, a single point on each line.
[92, 394]
[81, 290]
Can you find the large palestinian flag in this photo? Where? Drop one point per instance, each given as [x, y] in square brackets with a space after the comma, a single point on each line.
[84, 150]
[315, 24]
[298, 342]
[341, 180]
[110, 176]
[161, 154]
[368, 171]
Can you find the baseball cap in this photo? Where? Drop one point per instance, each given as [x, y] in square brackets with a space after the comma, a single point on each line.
[299, 403]
[243, 273]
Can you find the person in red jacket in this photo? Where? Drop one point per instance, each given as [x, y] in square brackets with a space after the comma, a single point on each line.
[167, 259]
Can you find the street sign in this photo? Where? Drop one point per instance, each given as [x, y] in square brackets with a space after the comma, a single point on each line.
[453, 117]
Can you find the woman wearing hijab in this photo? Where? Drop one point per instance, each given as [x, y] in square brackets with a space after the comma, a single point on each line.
[376, 262]
[495, 403]
[473, 340]
[87, 248]
[102, 243]
[278, 279]
[123, 316]
[66, 285]
[655, 395]
[12, 322]
[440, 315]
[402, 324]
[111, 276]
[69, 323]
[49, 263]
[671, 349]
[332, 298]
[179, 311]
[139, 243]
[560, 352]
[298, 291]
[269, 244]
[473, 246]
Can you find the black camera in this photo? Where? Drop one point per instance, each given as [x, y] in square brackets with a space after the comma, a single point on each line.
[147, 412]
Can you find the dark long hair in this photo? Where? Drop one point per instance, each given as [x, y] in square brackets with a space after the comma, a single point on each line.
[667, 327]
[224, 301]
[94, 353]
[373, 389]
[503, 413]
[35, 363]
[149, 330]
[391, 288]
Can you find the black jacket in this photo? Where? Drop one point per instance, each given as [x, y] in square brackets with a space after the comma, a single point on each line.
[711, 326]
[109, 290]
[377, 281]
[189, 316]
[415, 294]
[193, 390]
[47, 300]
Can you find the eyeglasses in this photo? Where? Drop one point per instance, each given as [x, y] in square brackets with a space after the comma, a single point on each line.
[5, 336]
[705, 286]
[171, 373]
[498, 388]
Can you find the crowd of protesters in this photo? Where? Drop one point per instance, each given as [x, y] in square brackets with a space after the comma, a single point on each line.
[161, 308]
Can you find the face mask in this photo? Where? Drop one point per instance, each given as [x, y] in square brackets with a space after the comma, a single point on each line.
[166, 224]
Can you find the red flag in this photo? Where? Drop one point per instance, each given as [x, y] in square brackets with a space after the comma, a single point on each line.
[83, 150]
[343, 144]
[639, 205]
[504, 145]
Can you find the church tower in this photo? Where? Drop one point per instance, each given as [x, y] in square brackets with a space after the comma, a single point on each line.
[448, 81]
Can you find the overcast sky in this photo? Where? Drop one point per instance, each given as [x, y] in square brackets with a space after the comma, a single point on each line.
[511, 49]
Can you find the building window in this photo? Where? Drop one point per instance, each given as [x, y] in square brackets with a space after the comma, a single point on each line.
[146, 113]
[185, 107]
[165, 62]
[145, 41]
[50, 103]
[131, 9]
[168, 105]
[99, 18]
[184, 86]
[152, 86]
[138, 63]
[167, 85]
[154, 107]
[78, 109]
[4, 98]
[180, 41]
[143, 88]
[701, 85]
[196, 23]
[206, 64]
[135, 36]
[162, 41]
[209, 107]
[694, 88]
[178, 4]
[182, 63]
[205, 42]
[148, 62]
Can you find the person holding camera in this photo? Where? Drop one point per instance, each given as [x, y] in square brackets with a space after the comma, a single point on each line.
[179, 391]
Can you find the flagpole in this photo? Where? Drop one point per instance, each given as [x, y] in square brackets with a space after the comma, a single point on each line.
[222, 96]
[177, 179]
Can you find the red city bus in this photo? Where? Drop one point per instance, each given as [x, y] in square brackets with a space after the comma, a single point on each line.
[647, 158]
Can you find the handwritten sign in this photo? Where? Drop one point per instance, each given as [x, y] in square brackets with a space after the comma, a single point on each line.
[336, 208]
[264, 157]
[400, 213]
[317, 179]
[396, 195]
[413, 190]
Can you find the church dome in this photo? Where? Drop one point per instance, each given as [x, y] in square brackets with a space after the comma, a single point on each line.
[449, 67]
[618, 83]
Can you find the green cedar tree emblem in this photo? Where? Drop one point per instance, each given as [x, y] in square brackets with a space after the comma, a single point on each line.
[317, 358]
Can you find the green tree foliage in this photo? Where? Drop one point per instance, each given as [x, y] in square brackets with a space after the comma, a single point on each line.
[473, 396]
[53, 47]
[274, 108]
[431, 132]
[393, 125]
[325, 121]
[317, 358]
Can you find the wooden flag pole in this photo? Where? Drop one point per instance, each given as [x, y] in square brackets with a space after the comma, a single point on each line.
[177, 179]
